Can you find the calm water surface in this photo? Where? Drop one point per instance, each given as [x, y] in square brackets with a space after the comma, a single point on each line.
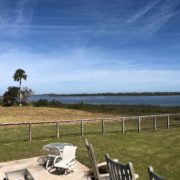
[118, 100]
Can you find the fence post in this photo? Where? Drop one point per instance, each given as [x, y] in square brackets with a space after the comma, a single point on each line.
[154, 123]
[123, 125]
[103, 130]
[82, 128]
[139, 124]
[30, 133]
[168, 122]
[57, 129]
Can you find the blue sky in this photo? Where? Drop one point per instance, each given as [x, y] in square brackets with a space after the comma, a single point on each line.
[82, 46]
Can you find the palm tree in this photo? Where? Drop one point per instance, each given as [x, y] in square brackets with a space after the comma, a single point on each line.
[18, 76]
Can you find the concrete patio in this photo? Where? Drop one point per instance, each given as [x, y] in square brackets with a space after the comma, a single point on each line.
[40, 173]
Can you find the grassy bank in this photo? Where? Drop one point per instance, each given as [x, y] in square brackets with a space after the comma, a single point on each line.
[26, 114]
[123, 110]
[159, 149]
[78, 111]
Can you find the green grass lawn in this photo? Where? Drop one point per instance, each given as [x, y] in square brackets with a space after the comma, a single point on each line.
[18, 133]
[159, 149]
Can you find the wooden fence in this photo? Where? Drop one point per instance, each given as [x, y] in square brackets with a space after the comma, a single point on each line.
[120, 121]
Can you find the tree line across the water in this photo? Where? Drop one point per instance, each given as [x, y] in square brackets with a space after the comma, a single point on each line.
[120, 94]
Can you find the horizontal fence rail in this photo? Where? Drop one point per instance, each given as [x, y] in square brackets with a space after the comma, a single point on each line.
[32, 130]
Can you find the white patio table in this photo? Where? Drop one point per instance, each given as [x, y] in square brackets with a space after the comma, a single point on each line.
[59, 146]
[54, 149]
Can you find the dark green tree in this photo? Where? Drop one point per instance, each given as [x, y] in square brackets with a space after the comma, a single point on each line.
[10, 97]
[19, 75]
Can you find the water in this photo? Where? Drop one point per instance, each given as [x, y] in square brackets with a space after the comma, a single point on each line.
[116, 100]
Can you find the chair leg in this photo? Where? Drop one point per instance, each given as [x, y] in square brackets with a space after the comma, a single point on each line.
[51, 169]
[49, 163]
[69, 171]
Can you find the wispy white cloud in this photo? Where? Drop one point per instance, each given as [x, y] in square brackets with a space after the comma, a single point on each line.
[161, 16]
[142, 11]
[156, 22]
[159, 13]
[20, 12]
[16, 16]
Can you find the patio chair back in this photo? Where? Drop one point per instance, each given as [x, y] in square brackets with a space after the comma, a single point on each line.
[67, 163]
[153, 175]
[119, 171]
[69, 153]
[93, 161]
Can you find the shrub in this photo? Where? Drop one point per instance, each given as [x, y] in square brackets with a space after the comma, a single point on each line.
[41, 102]
[46, 103]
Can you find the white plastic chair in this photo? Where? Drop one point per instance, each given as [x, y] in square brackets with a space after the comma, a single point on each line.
[66, 162]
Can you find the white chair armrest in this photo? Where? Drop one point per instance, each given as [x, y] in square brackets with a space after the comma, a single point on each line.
[56, 158]
[101, 164]
[116, 160]
[104, 163]
[136, 176]
[104, 176]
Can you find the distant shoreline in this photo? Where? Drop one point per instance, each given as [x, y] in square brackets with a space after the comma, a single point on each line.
[116, 94]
